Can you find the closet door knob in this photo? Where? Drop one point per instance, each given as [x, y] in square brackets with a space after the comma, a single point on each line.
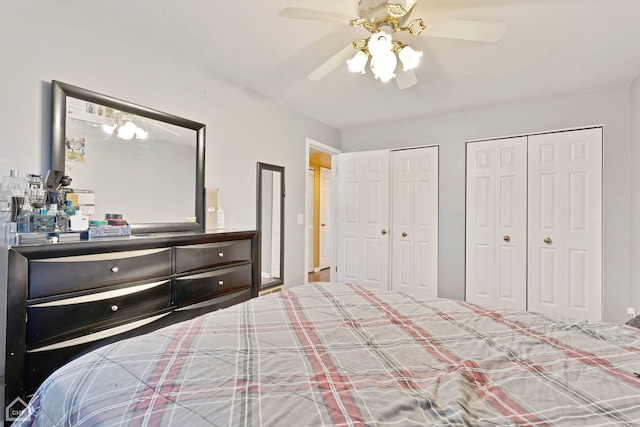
[506, 238]
[384, 231]
[547, 240]
[404, 234]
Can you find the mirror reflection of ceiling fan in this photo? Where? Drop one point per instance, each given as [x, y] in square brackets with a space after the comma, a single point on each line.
[383, 18]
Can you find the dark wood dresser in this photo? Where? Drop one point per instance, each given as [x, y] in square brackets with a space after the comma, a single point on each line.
[63, 300]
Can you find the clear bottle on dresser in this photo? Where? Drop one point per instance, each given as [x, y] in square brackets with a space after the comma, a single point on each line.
[24, 220]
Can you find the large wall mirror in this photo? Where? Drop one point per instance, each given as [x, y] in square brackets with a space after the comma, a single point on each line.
[270, 223]
[124, 158]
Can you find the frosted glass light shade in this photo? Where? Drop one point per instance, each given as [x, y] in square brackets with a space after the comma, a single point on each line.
[383, 66]
[409, 58]
[358, 63]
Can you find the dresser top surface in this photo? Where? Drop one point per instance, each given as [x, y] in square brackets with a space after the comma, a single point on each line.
[136, 241]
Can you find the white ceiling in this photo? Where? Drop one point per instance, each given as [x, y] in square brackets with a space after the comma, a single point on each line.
[550, 47]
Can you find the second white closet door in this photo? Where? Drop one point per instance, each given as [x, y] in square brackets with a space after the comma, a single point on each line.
[565, 224]
[414, 267]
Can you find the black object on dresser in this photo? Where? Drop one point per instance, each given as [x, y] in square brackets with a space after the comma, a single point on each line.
[66, 299]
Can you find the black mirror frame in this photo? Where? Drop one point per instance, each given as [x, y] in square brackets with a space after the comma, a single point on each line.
[273, 168]
[60, 91]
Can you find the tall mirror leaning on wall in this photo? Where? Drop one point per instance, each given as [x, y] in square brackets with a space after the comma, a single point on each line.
[270, 222]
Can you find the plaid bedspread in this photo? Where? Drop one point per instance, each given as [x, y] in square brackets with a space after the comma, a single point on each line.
[342, 355]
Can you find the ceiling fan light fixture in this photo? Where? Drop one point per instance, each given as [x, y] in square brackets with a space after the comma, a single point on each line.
[409, 57]
[358, 63]
[383, 66]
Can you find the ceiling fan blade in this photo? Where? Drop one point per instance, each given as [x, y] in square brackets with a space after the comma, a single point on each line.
[481, 31]
[334, 62]
[408, 4]
[406, 79]
[314, 15]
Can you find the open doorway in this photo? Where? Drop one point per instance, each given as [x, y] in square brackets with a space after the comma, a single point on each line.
[319, 215]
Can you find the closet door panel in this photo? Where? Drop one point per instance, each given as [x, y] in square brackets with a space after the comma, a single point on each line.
[426, 222]
[511, 220]
[566, 215]
[403, 201]
[496, 223]
[545, 227]
[363, 218]
[415, 221]
[480, 233]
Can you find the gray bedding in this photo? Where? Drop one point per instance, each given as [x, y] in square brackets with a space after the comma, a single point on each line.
[342, 355]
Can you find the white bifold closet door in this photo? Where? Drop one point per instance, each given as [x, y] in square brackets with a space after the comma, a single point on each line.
[363, 218]
[534, 223]
[565, 224]
[388, 220]
[414, 230]
[496, 223]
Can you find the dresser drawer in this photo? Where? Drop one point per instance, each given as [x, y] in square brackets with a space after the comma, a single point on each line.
[207, 255]
[206, 286]
[41, 362]
[66, 318]
[53, 276]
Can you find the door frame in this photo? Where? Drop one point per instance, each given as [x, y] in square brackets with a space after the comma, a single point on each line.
[318, 146]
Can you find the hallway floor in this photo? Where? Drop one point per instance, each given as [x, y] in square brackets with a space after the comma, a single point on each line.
[321, 276]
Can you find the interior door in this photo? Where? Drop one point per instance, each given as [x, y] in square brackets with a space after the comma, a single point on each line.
[325, 218]
[363, 218]
[565, 224]
[414, 248]
[496, 223]
[309, 221]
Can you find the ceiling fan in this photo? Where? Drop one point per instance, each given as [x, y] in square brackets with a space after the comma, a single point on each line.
[383, 18]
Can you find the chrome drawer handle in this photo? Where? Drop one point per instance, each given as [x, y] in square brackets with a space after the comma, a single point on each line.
[114, 269]
[220, 254]
[220, 282]
[114, 308]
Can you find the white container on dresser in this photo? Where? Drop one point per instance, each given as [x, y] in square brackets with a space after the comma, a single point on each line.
[63, 300]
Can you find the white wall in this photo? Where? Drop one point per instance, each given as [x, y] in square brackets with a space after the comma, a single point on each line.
[610, 107]
[635, 194]
[44, 41]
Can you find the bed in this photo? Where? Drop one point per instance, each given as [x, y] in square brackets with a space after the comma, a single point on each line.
[343, 355]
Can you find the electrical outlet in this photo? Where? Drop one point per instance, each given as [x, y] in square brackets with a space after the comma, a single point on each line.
[631, 312]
